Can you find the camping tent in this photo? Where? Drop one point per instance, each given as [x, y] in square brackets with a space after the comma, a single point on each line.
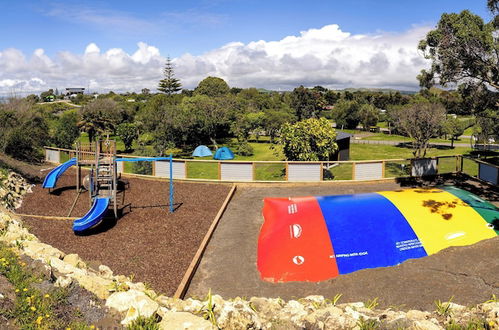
[224, 153]
[202, 151]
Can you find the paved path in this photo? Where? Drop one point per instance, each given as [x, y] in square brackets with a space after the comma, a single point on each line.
[471, 274]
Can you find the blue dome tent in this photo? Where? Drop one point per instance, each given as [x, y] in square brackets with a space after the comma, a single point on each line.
[202, 151]
[224, 153]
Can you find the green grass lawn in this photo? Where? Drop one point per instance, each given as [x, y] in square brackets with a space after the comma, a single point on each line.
[378, 151]
[394, 137]
[276, 172]
[262, 152]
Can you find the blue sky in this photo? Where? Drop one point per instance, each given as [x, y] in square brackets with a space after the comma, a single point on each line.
[178, 27]
[339, 44]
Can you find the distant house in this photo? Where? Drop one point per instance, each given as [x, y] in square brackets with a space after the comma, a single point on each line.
[74, 91]
[343, 142]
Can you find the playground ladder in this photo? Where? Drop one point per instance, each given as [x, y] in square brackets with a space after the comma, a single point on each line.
[105, 172]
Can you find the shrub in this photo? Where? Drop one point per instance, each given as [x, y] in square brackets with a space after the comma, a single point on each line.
[244, 149]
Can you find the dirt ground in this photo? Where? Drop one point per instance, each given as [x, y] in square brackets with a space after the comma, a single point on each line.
[228, 268]
[148, 242]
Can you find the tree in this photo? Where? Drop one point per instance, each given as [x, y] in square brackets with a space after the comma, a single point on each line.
[455, 128]
[23, 130]
[368, 115]
[99, 116]
[212, 86]
[274, 119]
[308, 140]
[487, 127]
[346, 114]
[145, 91]
[128, 133]
[307, 103]
[169, 84]
[66, 131]
[32, 98]
[247, 123]
[421, 121]
[462, 49]
[465, 51]
[203, 118]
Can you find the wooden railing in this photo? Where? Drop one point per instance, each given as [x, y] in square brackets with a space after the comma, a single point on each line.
[281, 171]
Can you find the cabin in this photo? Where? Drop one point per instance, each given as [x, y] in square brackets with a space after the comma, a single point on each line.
[74, 91]
[343, 142]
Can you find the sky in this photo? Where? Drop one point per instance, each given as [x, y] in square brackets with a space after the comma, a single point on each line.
[121, 45]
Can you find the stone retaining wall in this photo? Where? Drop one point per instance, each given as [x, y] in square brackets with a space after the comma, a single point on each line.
[12, 189]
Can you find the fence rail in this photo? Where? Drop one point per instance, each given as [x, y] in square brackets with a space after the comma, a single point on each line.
[295, 171]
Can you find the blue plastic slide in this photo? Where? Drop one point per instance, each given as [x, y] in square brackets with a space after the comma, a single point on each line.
[51, 178]
[93, 216]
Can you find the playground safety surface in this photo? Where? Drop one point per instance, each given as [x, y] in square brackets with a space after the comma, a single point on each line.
[228, 267]
[148, 242]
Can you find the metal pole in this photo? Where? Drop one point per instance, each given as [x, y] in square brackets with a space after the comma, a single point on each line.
[171, 183]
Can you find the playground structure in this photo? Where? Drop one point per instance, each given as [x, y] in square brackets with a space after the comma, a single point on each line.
[101, 182]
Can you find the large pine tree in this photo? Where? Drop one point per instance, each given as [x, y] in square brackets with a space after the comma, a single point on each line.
[169, 85]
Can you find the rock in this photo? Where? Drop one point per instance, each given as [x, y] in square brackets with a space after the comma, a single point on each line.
[400, 323]
[217, 301]
[341, 322]
[313, 299]
[162, 311]
[237, 314]
[95, 284]
[134, 302]
[183, 320]
[417, 315]
[63, 282]
[7, 289]
[192, 305]
[492, 311]
[353, 305]
[319, 318]
[7, 299]
[44, 286]
[121, 278]
[353, 313]
[139, 286]
[267, 309]
[74, 260]
[294, 312]
[65, 268]
[426, 325]
[455, 308]
[105, 272]
[41, 251]
[37, 267]
[16, 233]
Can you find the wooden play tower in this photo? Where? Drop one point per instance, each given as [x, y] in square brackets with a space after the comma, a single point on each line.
[103, 178]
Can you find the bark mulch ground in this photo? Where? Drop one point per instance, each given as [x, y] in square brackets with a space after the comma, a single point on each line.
[148, 242]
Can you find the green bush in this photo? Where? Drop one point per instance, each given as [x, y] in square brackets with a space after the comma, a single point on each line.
[244, 149]
[142, 168]
[21, 146]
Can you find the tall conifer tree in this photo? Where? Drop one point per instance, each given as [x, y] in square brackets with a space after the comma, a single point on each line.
[169, 85]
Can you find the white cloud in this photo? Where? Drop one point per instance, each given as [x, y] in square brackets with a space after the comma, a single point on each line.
[327, 56]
